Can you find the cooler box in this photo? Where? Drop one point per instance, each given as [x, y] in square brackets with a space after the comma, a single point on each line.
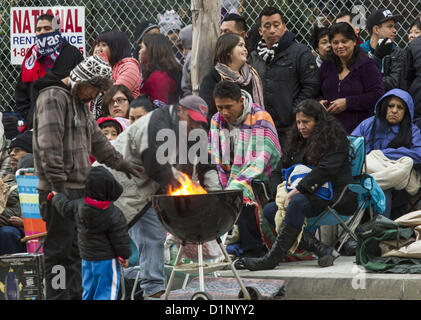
[22, 276]
[29, 204]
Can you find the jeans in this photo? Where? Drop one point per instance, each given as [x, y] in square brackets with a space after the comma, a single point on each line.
[61, 250]
[149, 236]
[10, 237]
[298, 208]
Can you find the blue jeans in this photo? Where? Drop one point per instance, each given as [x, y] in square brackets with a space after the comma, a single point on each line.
[10, 240]
[149, 236]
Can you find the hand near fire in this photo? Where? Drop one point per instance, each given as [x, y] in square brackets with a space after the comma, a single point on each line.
[130, 169]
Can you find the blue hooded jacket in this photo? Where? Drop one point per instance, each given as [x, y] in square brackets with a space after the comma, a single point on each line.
[384, 137]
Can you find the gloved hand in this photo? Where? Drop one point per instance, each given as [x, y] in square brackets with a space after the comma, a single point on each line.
[130, 169]
[383, 49]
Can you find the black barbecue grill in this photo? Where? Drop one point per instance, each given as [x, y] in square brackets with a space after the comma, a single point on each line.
[200, 218]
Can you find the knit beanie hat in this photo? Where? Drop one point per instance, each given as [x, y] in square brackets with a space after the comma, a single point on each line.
[92, 67]
[143, 28]
[186, 37]
[169, 21]
[105, 122]
[23, 140]
[10, 124]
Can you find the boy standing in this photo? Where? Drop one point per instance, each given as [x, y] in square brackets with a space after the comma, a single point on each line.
[102, 234]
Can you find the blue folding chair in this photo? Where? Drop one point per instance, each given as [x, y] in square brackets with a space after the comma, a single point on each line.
[369, 194]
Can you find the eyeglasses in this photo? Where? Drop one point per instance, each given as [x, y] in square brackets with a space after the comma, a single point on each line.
[118, 101]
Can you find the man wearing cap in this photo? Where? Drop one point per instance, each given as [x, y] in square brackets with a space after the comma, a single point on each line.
[381, 25]
[164, 142]
[65, 134]
[244, 144]
[142, 29]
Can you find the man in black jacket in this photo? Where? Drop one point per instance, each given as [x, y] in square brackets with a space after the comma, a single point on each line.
[381, 25]
[288, 69]
[51, 53]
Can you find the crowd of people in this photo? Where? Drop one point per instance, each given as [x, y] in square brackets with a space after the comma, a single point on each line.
[93, 132]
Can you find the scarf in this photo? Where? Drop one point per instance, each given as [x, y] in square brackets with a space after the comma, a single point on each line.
[247, 74]
[42, 56]
[269, 54]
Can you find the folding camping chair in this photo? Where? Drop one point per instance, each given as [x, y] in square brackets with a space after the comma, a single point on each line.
[33, 225]
[363, 186]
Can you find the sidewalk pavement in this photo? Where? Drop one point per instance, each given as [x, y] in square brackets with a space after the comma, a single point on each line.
[343, 281]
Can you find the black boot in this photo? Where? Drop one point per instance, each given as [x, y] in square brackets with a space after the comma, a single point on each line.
[325, 253]
[285, 239]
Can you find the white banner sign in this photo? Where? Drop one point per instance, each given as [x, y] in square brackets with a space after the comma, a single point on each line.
[22, 28]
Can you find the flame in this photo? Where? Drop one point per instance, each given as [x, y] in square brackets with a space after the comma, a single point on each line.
[187, 187]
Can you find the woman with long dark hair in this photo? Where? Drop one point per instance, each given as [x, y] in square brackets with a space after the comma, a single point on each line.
[318, 141]
[115, 45]
[161, 72]
[230, 63]
[351, 82]
[392, 131]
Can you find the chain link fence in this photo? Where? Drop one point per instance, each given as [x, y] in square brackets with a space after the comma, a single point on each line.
[100, 15]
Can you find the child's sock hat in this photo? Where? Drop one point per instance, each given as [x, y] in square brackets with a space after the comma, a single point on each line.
[101, 185]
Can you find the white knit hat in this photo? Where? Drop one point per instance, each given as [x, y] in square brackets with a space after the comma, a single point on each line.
[169, 21]
[91, 67]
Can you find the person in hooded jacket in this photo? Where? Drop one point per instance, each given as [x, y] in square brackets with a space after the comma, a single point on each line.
[392, 131]
[102, 234]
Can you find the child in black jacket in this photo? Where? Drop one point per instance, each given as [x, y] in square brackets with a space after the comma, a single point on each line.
[102, 234]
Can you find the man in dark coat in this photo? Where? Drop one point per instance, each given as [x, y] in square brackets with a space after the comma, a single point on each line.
[381, 25]
[288, 69]
[51, 54]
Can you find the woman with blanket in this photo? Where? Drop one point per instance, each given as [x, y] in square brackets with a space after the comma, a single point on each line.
[244, 144]
[390, 136]
[318, 141]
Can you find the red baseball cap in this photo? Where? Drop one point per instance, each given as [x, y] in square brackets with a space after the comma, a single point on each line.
[197, 108]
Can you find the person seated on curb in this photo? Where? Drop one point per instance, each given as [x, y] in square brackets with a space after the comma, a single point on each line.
[392, 132]
[317, 140]
[244, 144]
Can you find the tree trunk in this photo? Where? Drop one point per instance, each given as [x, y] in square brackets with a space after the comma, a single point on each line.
[206, 18]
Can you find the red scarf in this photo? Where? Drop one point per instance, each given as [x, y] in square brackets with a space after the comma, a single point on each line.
[35, 66]
[32, 69]
[97, 204]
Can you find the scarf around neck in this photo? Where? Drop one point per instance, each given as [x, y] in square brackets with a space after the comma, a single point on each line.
[247, 74]
[269, 54]
[42, 56]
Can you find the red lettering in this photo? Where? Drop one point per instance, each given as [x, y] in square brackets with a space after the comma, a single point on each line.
[50, 12]
[35, 14]
[26, 23]
[69, 22]
[17, 15]
[77, 27]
